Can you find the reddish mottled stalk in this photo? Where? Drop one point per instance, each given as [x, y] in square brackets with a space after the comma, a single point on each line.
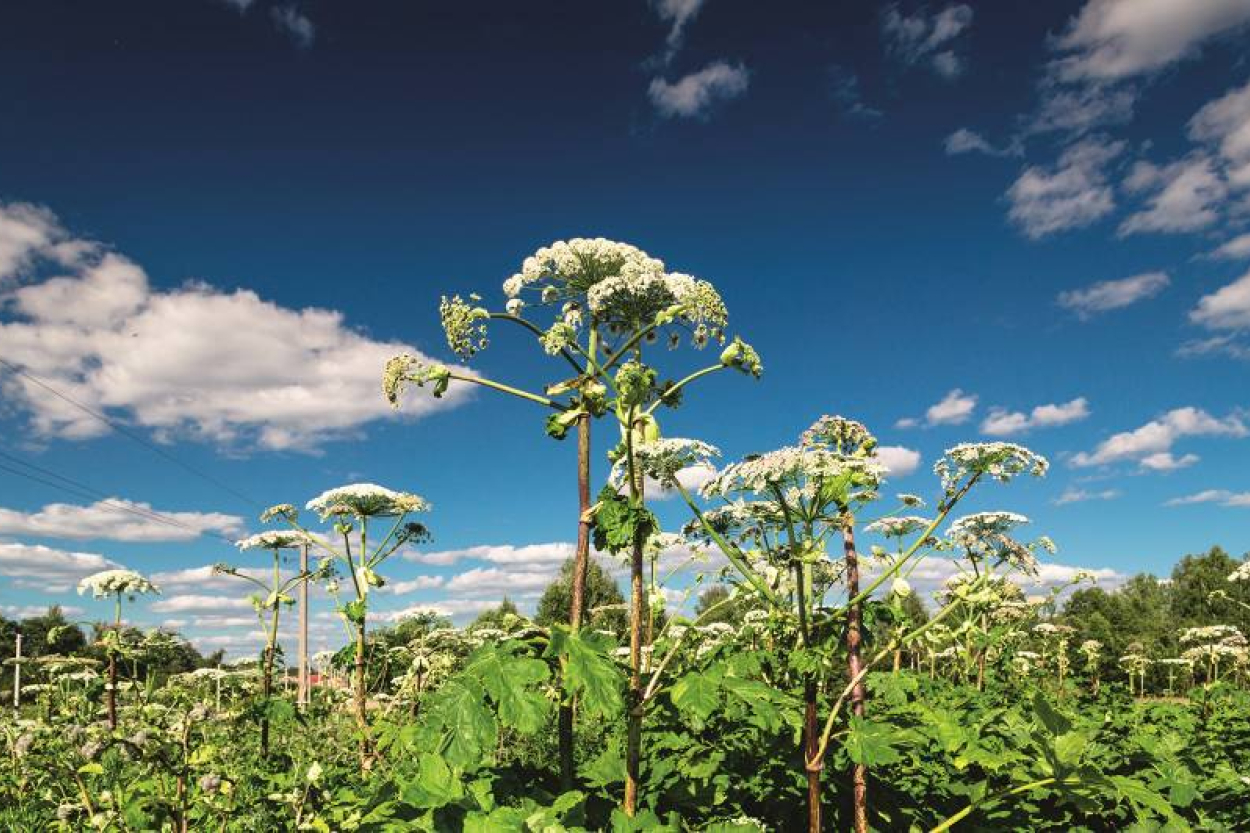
[581, 559]
[854, 625]
[637, 614]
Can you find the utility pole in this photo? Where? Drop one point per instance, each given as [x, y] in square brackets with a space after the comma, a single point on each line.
[17, 674]
[301, 697]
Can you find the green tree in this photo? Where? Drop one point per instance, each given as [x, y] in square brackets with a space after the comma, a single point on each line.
[605, 605]
[496, 617]
[728, 611]
[1195, 578]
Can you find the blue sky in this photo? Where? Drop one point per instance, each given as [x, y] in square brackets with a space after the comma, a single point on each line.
[954, 222]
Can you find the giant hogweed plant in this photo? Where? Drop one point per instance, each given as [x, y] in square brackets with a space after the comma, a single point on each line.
[780, 512]
[352, 509]
[268, 604]
[599, 305]
[115, 585]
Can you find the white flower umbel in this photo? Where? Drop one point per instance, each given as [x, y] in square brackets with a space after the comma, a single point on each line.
[365, 500]
[1242, 573]
[1001, 461]
[571, 267]
[1208, 633]
[116, 583]
[662, 460]
[274, 539]
[898, 527]
[791, 466]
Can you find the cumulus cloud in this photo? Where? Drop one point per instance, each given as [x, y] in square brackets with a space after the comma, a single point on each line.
[1228, 308]
[1222, 497]
[844, 87]
[1238, 248]
[202, 604]
[929, 40]
[109, 520]
[1078, 110]
[1073, 194]
[400, 588]
[964, 140]
[898, 460]
[954, 409]
[929, 576]
[549, 553]
[1151, 444]
[1110, 40]
[456, 609]
[99, 333]
[34, 566]
[1183, 196]
[33, 611]
[1116, 294]
[694, 95]
[1224, 126]
[1002, 422]
[676, 13]
[293, 23]
[495, 580]
[1073, 495]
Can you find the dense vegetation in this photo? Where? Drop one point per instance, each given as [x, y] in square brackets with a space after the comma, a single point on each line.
[811, 687]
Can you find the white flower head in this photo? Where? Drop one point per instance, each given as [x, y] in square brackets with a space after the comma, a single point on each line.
[999, 460]
[116, 582]
[366, 500]
[898, 527]
[1242, 573]
[274, 539]
[663, 459]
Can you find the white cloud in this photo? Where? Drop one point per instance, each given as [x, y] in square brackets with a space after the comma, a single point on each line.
[282, 379]
[1227, 344]
[1117, 294]
[550, 553]
[105, 520]
[1238, 248]
[1151, 444]
[923, 39]
[37, 567]
[898, 460]
[400, 588]
[1167, 461]
[1073, 495]
[1224, 125]
[1184, 196]
[1001, 422]
[196, 603]
[677, 13]
[495, 580]
[1075, 193]
[1228, 308]
[930, 574]
[458, 609]
[954, 409]
[1078, 110]
[27, 233]
[1223, 497]
[844, 86]
[1111, 40]
[296, 25]
[695, 94]
[33, 611]
[964, 140]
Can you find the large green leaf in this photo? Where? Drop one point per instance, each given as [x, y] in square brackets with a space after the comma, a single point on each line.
[436, 785]
[510, 681]
[697, 693]
[871, 744]
[589, 672]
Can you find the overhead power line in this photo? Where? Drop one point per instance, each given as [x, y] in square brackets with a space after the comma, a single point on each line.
[129, 434]
[78, 489]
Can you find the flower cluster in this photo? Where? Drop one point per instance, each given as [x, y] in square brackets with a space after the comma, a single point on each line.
[1242, 573]
[464, 325]
[840, 435]
[273, 539]
[1209, 633]
[792, 466]
[408, 368]
[898, 527]
[572, 267]
[987, 536]
[999, 460]
[662, 460]
[116, 582]
[365, 500]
